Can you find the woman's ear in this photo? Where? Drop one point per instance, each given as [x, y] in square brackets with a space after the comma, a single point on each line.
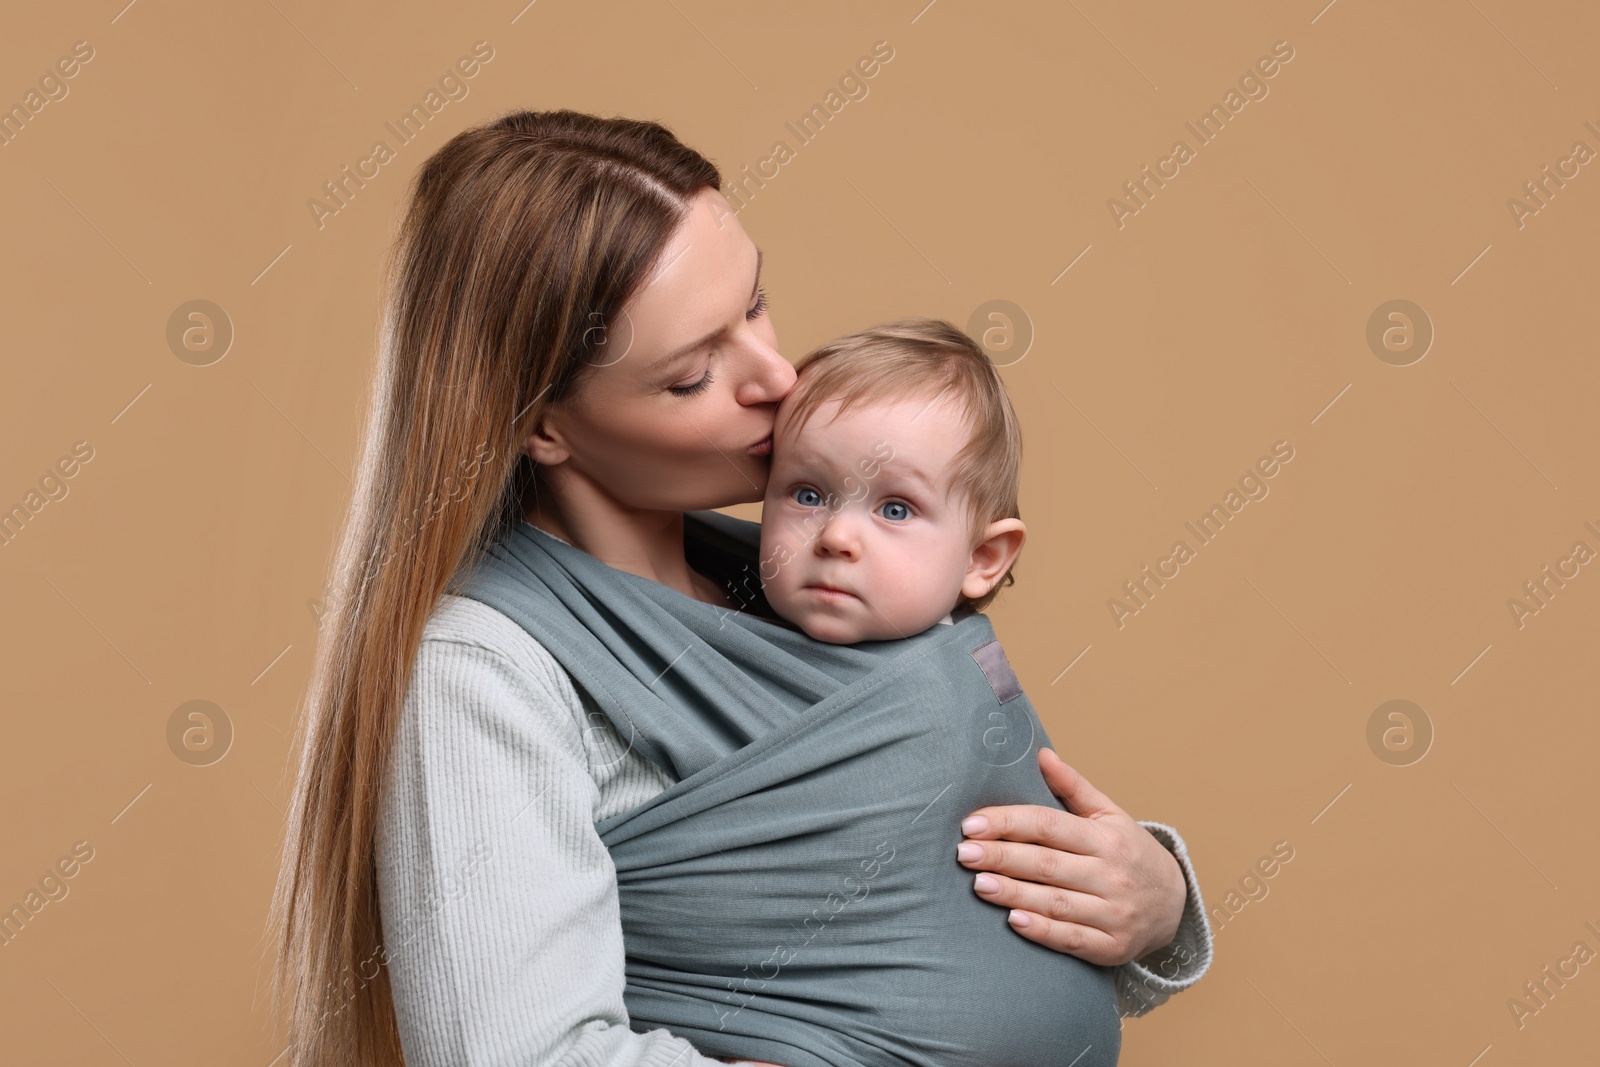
[1001, 542]
[546, 445]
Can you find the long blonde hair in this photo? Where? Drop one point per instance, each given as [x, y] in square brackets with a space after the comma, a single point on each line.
[522, 239]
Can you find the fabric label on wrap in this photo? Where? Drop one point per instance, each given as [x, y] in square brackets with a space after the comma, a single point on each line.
[997, 669]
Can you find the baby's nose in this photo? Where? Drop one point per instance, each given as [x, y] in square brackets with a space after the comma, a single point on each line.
[839, 539]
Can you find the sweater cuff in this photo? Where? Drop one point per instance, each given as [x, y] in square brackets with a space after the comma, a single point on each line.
[1147, 982]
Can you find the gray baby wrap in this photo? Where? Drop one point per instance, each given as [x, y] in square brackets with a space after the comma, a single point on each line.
[795, 895]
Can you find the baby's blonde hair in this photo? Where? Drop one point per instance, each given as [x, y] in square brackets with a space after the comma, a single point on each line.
[913, 358]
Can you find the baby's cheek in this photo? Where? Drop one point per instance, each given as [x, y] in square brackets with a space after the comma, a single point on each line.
[779, 585]
[914, 598]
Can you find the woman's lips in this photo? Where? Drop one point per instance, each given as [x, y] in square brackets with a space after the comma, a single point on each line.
[762, 447]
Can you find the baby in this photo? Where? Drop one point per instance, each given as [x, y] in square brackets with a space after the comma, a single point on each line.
[892, 502]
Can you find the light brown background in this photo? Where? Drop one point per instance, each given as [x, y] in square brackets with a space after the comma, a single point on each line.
[1227, 315]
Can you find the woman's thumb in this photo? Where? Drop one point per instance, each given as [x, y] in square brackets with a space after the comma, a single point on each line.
[1074, 789]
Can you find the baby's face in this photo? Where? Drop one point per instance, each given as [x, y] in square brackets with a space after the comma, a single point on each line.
[861, 537]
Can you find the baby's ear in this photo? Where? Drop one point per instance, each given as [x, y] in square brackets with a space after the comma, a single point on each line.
[998, 548]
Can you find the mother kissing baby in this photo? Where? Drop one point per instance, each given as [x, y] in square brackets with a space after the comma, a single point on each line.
[670, 780]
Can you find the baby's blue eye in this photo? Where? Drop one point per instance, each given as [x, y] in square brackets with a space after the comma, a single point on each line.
[903, 512]
[807, 497]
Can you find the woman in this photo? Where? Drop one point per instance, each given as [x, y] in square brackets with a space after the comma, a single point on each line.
[575, 337]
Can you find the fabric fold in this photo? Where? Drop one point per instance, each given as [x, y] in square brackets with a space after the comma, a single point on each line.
[794, 896]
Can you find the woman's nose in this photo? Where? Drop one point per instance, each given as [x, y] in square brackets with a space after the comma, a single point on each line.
[772, 378]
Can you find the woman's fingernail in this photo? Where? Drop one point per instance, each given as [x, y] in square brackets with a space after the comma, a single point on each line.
[1018, 918]
[968, 851]
[974, 824]
[986, 883]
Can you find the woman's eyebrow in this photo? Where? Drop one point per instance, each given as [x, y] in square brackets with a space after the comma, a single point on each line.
[666, 362]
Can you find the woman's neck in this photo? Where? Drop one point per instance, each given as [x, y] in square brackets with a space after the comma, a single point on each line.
[646, 543]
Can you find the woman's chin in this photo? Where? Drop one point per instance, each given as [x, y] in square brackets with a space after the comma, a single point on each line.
[750, 489]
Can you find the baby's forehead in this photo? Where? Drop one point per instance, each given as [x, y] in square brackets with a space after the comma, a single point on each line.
[936, 411]
[915, 434]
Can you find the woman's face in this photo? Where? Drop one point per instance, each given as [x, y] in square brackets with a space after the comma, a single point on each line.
[679, 414]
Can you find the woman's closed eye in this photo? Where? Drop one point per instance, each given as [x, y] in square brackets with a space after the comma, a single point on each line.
[758, 309]
[697, 387]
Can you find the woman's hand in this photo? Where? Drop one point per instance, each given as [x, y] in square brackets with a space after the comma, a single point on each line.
[1090, 882]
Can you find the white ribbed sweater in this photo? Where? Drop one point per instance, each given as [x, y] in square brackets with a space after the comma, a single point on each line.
[500, 914]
